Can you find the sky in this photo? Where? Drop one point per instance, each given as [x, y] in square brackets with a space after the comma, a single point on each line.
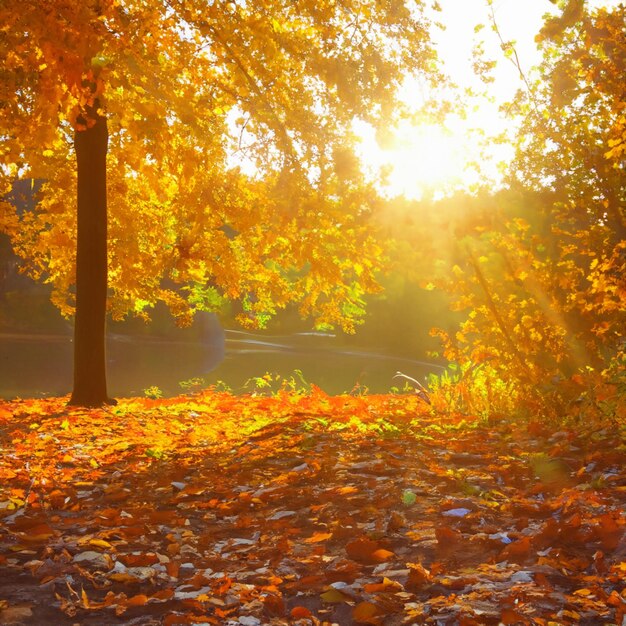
[430, 158]
[517, 21]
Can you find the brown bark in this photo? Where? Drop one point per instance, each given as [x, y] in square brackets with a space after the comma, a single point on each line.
[91, 144]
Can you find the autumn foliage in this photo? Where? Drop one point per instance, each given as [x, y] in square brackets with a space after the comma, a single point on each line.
[305, 509]
[231, 168]
[536, 271]
[497, 496]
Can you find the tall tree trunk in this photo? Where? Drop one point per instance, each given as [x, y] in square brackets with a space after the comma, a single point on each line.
[91, 144]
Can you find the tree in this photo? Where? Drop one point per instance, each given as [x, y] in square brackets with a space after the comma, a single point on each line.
[231, 170]
[571, 146]
[542, 277]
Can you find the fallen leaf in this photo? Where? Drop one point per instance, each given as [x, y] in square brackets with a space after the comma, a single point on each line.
[418, 576]
[300, 612]
[509, 617]
[334, 595]
[446, 536]
[381, 555]
[367, 551]
[366, 613]
[16, 614]
[517, 550]
[317, 537]
[387, 585]
[460, 512]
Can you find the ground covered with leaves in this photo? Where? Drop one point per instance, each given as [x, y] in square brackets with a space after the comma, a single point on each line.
[306, 509]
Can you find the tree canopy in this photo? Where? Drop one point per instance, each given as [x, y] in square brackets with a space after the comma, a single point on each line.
[540, 275]
[231, 170]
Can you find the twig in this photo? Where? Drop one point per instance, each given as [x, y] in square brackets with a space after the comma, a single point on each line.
[514, 58]
[421, 391]
[492, 306]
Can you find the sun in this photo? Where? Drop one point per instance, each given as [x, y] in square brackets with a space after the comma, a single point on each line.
[418, 160]
[426, 159]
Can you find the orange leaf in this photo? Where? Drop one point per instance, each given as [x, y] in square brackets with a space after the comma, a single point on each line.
[163, 595]
[37, 533]
[123, 577]
[172, 568]
[614, 599]
[346, 490]
[316, 537]
[274, 604]
[446, 535]
[609, 531]
[140, 560]
[418, 575]
[300, 612]
[542, 581]
[381, 555]
[312, 581]
[364, 550]
[509, 616]
[517, 549]
[366, 613]
[138, 600]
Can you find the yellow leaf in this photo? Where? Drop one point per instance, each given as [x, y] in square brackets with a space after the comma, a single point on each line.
[333, 595]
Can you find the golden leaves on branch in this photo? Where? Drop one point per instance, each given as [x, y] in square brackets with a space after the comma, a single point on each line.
[194, 98]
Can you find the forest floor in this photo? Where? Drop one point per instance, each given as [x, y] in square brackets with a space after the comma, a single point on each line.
[305, 509]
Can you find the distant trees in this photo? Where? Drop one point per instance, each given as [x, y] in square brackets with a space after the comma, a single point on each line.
[225, 131]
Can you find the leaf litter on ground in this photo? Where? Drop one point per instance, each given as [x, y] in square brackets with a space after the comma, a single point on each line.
[305, 509]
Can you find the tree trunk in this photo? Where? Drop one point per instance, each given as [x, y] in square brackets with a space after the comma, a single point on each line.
[90, 387]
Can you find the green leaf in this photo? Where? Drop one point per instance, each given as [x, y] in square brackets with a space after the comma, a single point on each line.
[408, 497]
